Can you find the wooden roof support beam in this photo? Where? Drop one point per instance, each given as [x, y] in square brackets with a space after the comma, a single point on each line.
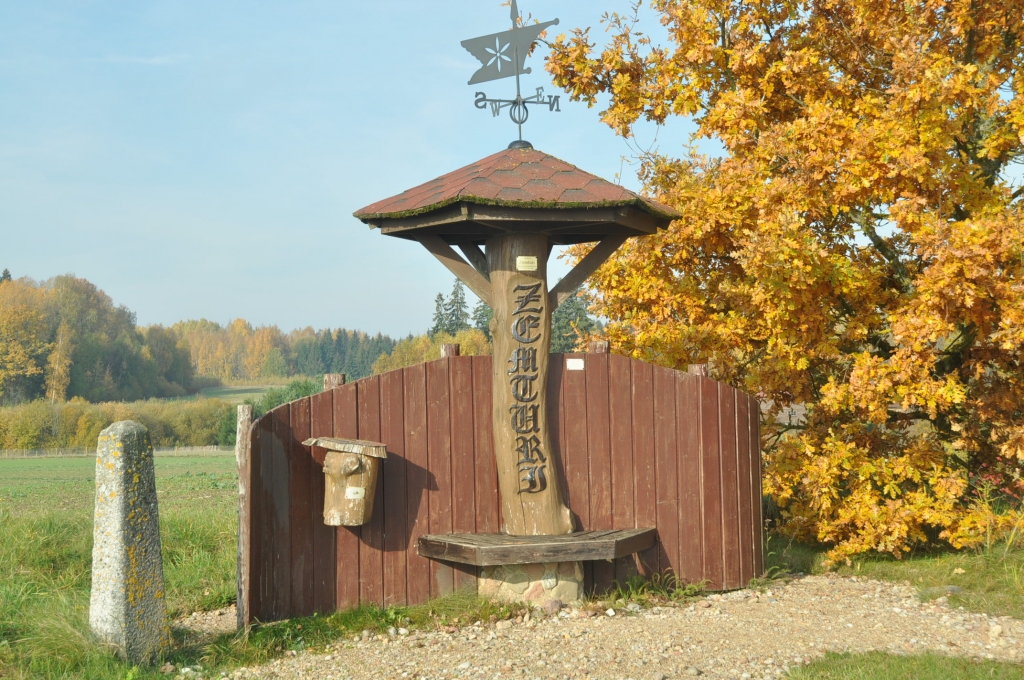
[476, 258]
[456, 265]
[584, 268]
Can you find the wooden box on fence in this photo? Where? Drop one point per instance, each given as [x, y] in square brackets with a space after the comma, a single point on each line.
[350, 479]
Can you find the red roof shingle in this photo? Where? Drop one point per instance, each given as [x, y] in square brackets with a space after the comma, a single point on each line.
[513, 177]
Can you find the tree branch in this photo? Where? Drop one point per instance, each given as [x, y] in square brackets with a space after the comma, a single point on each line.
[953, 354]
[885, 250]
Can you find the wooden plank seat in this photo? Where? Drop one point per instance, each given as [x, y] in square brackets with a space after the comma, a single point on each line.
[485, 550]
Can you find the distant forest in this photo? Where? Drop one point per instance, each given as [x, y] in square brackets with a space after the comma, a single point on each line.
[64, 338]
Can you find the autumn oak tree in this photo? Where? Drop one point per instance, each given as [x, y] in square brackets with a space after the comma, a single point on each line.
[857, 249]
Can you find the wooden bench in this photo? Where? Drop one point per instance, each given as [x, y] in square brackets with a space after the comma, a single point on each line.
[486, 550]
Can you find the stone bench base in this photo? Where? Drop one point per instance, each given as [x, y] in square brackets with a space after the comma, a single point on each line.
[534, 583]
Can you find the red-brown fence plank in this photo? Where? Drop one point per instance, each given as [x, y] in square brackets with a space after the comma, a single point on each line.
[620, 422]
[711, 482]
[730, 489]
[371, 550]
[460, 379]
[555, 418]
[393, 487]
[757, 472]
[419, 480]
[485, 473]
[346, 426]
[259, 492]
[574, 396]
[645, 490]
[439, 455]
[325, 563]
[575, 458]
[299, 513]
[665, 465]
[746, 523]
[691, 567]
[280, 517]
[599, 459]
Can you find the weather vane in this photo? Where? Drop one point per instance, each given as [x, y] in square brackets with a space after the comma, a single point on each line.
[503, 56]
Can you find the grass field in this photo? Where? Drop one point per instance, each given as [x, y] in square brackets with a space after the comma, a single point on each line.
[236, 394]
[46, 551]
[45, 554]
[240, 391]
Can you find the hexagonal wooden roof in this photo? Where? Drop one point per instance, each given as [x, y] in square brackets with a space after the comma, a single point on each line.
[530, 185]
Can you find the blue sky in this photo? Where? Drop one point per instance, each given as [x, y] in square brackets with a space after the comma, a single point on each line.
[198, 159]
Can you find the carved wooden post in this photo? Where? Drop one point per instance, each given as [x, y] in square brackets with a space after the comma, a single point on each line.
[530, 497]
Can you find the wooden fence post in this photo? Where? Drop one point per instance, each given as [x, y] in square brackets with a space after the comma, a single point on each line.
[698, 369]
[451, 350]
[598, 347]
[332, 380]
[242, 446]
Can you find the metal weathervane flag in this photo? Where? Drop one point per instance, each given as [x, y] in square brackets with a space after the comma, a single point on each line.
[503, 55]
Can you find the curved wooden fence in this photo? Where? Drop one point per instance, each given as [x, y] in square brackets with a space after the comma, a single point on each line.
[639, 446]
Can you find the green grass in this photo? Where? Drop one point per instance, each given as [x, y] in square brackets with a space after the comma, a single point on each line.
[239, 391]
[660, 588]
[46, 552]
[236, 394]
[989, 580]
[881, 666]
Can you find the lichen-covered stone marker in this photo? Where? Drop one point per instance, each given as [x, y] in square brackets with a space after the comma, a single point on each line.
[127, 609]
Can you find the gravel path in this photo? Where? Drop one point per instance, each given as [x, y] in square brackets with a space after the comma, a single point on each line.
[743, 634]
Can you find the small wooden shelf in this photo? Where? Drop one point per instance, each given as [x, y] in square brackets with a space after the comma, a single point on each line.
[485, 550]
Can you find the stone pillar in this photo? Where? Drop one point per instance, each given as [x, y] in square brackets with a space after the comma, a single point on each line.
[127, 609]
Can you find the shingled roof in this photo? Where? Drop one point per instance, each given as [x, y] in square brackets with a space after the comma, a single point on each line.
[519, 178]
[513, 177]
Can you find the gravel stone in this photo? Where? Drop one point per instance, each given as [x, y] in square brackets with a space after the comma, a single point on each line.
[737, 635]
